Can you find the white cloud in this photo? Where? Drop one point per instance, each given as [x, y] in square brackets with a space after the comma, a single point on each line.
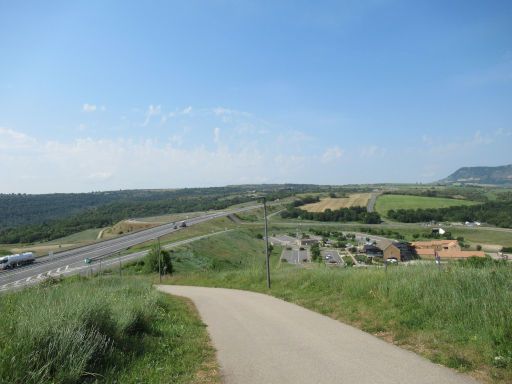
[216, 135]
[332, 154]
[153, 110]
[443, 146]
[89, 107]
[187, 110]
[11, 139]
[101, 176]
[87, 164]
[372, 151]
[220, 111]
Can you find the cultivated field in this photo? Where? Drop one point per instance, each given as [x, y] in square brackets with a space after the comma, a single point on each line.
[387, 202]
[354, 200]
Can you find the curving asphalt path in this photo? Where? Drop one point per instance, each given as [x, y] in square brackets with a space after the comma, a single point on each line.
[261, 339]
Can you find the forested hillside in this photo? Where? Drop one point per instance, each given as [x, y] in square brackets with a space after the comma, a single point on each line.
[30, 218]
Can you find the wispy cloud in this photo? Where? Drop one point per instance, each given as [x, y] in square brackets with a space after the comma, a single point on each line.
[216, 135]
[88, 164]
[443, 146]
[153, 110]
[11, 139]
[89, 108]
[372, 151]
[332, 154]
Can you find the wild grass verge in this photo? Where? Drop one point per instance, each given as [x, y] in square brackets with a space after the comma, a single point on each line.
[101, 330]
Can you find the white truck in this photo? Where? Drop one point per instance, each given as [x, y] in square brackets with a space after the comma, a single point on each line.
[16, 260]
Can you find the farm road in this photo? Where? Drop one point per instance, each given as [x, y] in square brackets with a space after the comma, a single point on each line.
[261, 339]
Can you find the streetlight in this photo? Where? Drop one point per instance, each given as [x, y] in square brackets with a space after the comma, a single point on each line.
[159, 260]
[266, 243]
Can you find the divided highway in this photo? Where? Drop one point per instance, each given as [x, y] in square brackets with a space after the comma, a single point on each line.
[12, 278]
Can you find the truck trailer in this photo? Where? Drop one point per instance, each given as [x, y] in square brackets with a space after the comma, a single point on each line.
[12, 261]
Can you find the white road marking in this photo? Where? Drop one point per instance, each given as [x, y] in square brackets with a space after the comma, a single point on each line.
[40, 276]
[28, 279]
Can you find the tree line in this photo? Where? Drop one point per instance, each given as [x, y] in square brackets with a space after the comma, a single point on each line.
[343, 215]
[497, 213]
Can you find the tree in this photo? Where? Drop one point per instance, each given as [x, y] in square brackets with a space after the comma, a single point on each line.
[151, 260]
[315, 252]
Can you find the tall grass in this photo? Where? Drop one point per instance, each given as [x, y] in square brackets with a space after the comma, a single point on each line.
[83, 330]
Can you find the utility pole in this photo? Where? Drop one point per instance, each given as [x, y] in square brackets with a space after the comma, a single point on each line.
[266, 243]
[159, 260]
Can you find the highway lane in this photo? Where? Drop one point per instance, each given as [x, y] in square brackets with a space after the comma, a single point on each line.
[79, 267]
[104, 248]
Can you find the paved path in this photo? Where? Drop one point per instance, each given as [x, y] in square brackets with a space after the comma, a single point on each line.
[371, 203]
[264, 340]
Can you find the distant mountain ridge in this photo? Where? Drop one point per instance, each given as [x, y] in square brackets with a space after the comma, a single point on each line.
[501, 175]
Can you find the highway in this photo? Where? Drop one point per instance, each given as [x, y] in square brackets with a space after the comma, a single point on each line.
[19, 276]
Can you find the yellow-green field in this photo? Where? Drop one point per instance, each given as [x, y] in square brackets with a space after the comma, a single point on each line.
[354, 200]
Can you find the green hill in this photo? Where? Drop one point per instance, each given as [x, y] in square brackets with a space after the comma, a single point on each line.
[501, 175]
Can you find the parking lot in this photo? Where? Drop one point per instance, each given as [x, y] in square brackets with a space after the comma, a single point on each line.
[295, 256]
[332, 257]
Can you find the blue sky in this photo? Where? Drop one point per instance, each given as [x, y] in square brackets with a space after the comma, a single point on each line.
[102, 95]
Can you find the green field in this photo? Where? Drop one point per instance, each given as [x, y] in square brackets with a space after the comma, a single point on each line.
[387, 202]
[106, 329]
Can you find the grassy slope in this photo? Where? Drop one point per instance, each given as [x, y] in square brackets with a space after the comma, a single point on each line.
[110, 329]
[387, 202]
[457, 317]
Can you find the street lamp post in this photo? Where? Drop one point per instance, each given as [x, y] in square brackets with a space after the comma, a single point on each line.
[159, 260]
[266, 243]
